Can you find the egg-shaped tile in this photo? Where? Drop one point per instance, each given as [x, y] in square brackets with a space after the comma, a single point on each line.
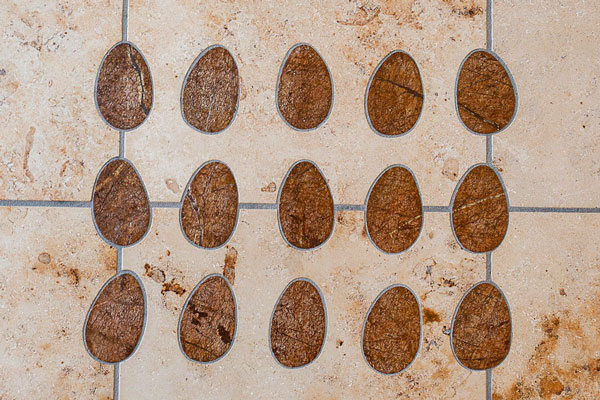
[124, 93]
[298, 324]
[120, 204]
[306, 212]
[479, 211]
[391, 334]
[481, 329]
[394, 98]
[393, 211]
[207, 324]
[486, 95]
[209, 206]
[211, 91]
[304, 88]
[115, 323]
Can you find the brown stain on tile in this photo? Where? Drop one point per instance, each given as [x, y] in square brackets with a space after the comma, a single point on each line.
[58, 269]
[210, 206]
[124, 88]
[305, 93]
[480, 210]
[28, 147]
[120, 204]
[270, 188]
[208, 321]
[172, 185]
[298, 325]
[229, 268]
[485, 94]
[450, 169]
[466, 8]
[306, 207]
[154, 273]
[173, 287]
[430, 316]
[395, 95]
[210, 93]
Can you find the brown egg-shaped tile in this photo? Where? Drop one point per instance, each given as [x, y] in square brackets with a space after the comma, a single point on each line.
[393, 210]
[120, 204]
[209, 206]
[391, 335]
[208, 322]
[124, 92]
[298, 325]
[482, 328]
[479, 211]
[211, 91]
[486, 95]
[115, 322]
[304, 88]
[394, 98]
[306, 212]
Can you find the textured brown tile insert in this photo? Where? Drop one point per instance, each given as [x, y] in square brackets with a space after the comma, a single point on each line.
[395, 95]
[485, 95]
[124, 87]
[481, 330]
[305, 88]
[208, 321]
[116, 319]
[211, 91]
[120, 204]
[210, 206]
[394, 213]
[305, 207]
[298, 325]
[392, 331]
[480, 210]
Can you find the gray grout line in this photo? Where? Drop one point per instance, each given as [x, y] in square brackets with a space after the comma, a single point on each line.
[576, 210]
[45, 203]
[116, 379]
[349, 207]
[119, 259]
[121, 144]
[489, 26]
[258, 206]
[488, 266]
[165, 204]
[125, 20]
[441, 209]
[488, 384]
[489, 149]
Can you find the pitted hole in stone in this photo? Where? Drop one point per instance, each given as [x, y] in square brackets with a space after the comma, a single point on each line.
[298, 325]
[479, 211]
[115, 322]
[306, 211]
[124, 93]
[209, 207]
[304, 88]
[486, 97]
[392, 331]
[394, 212]
[208, 321]
[120, 204]
[211, 90]
[481, 330]
[395, 95]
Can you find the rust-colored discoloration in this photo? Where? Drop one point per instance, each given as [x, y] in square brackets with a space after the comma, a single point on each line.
[270, 188]
[482, 328]
[480, 210]
[430, 316]
[208, 321]
[395, 95]
[229, 267]
[210, 206]
[305, 92]
[116, 320]
[124, 88]
[392, 331]
[306, 207]
[298, 325]
[485, 95]
[172, 286]
[121, 206]
[210, 92]
[154, 273]
[394, 211]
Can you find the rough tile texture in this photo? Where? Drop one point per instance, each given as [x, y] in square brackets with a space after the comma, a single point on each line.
[116, 319]
[305, 91]
[480, 210]
[210, 92]
[482, 328]
[485, 95]
[394, 211]
[298, 325]
[392, 331]
[208, 321]
[210, 206]
[121, 206]
[395, 97]
[305, 207]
